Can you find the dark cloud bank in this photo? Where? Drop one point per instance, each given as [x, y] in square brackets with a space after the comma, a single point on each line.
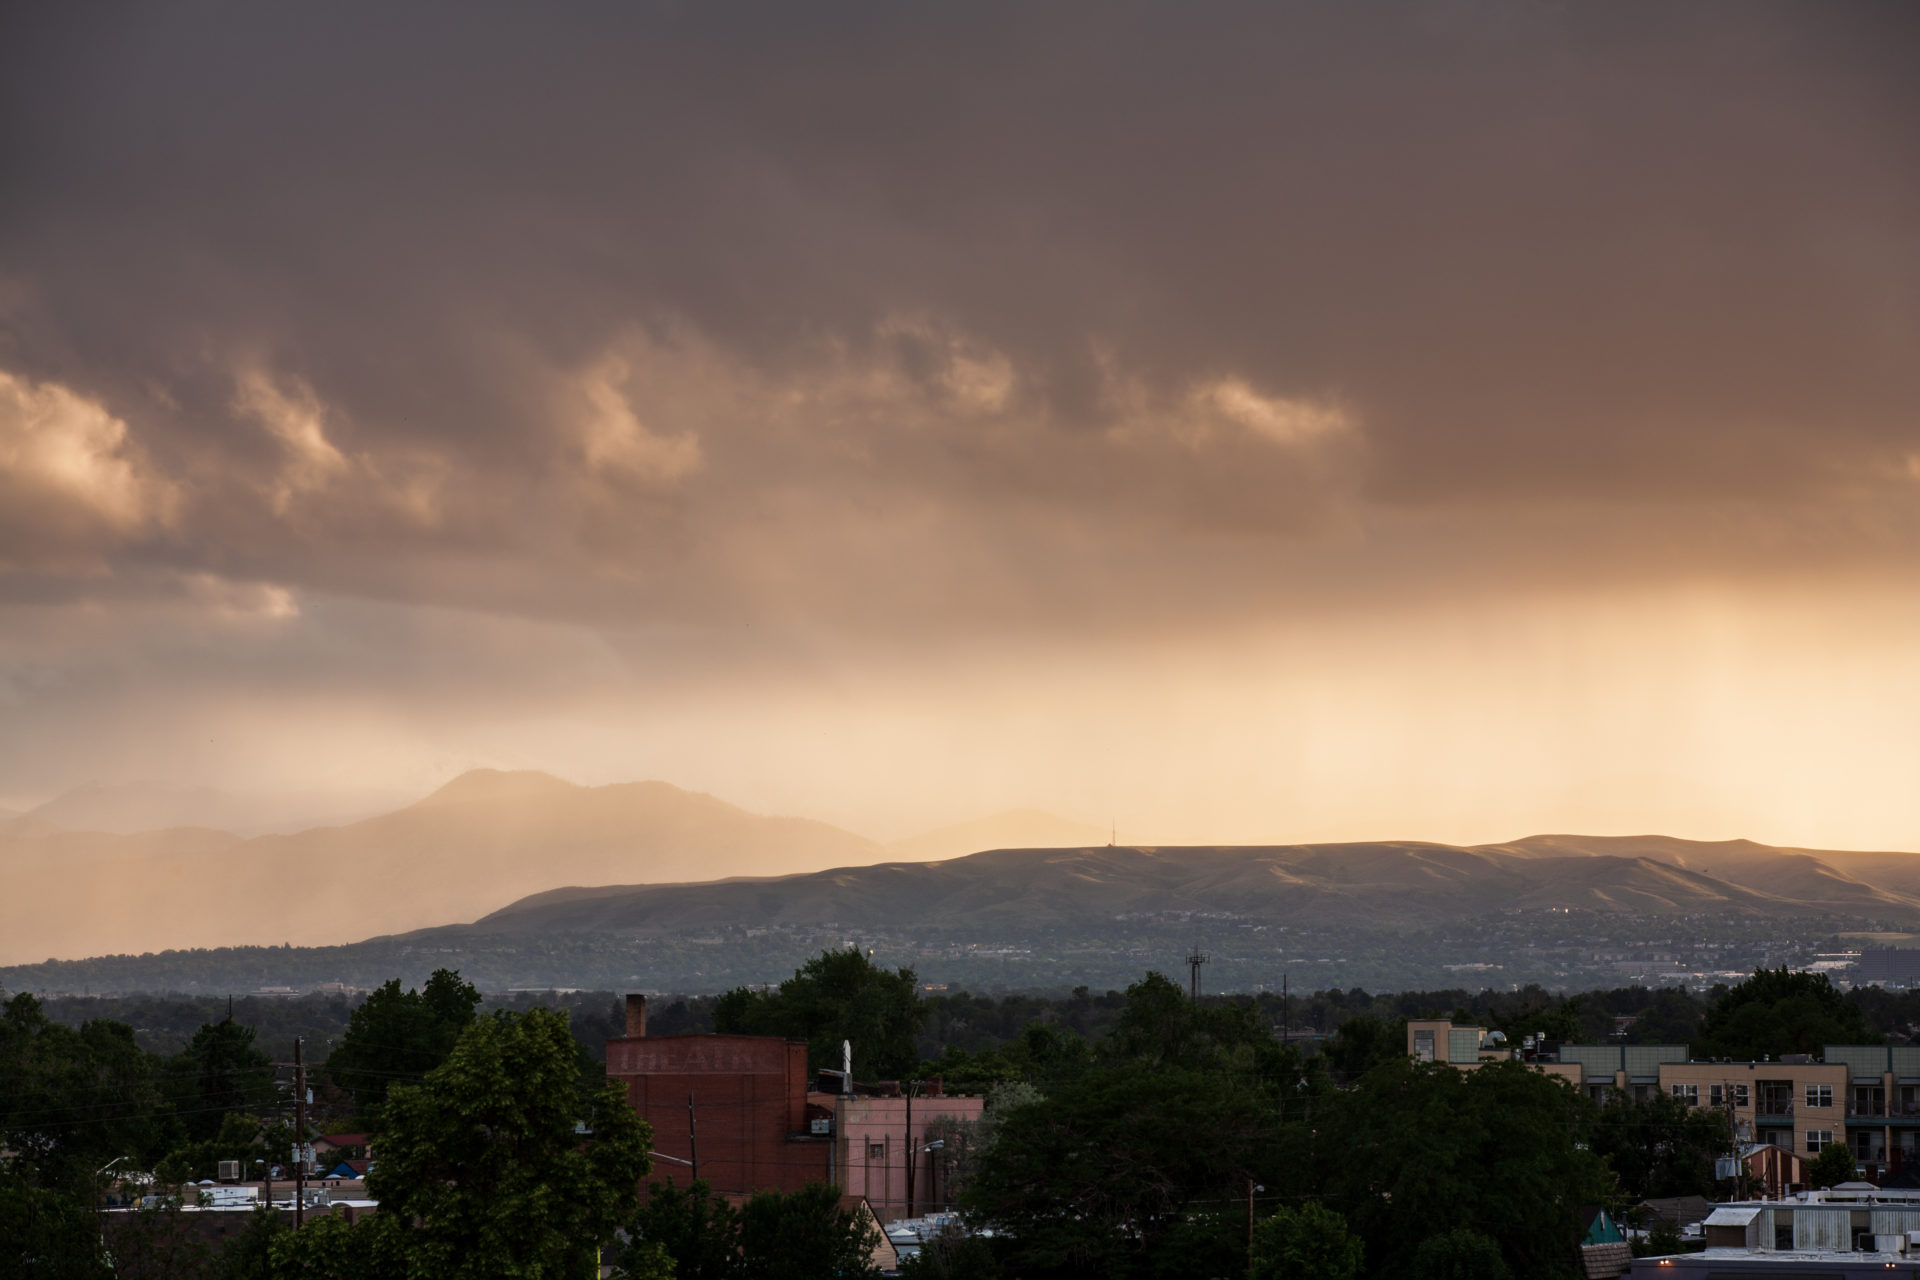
[742, 329]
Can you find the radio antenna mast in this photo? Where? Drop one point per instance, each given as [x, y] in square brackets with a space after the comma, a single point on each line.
[1194, 960]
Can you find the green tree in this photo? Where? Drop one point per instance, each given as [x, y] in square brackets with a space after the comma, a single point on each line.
[332, 1249]
[158, 1242]
[241, 1137]
[485, 1169]
[47, 1233]
[1501, 1150]
[836, 996]
[1463, 1254]
[699, 1231]
[1161, 1026]
[1308, 1243]
[249, 1255]
[1835, 1164]
[71, 1102]
[1671, 1017]
[1363, 1043]
[220, 1072]
[1662, 1238]
[1093, 1179]
[1781, 1011]
[805, 1235]
[397, 1035]
[1659, 1146]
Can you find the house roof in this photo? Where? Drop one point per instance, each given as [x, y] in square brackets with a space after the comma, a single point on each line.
[1681, 1211]
[343, 1139]
[885, 1256]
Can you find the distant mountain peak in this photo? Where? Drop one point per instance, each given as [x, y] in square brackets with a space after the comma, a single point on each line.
[500, 784]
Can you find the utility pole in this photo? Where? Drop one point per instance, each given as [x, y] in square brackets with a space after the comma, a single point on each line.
[693, 1139]
[913, 1146]
[1249, 1224]
[299, 1138]
[1194, 961]
[1286, 1011]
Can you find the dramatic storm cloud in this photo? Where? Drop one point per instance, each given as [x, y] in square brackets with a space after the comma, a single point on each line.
[1258, 420]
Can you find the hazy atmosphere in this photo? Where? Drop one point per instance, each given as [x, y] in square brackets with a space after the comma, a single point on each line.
[1253, 423]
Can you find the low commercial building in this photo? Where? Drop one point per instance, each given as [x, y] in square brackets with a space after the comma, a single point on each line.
[734, 1111]
[744, 1114]
[894, 1149]
[1851, 1230]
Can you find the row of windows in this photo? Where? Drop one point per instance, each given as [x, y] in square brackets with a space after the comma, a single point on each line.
[1818, 1095]
[1818, 1140]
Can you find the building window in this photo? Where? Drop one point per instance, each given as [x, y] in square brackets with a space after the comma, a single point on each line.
[1739, 1095]
[1423, 1046]
[1721, 1095]
[1818, 1140]
[1687, 1094]
[1819, 1095]
[876, 1151]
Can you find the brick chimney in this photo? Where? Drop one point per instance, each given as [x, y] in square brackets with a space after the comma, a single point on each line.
[636, 1017]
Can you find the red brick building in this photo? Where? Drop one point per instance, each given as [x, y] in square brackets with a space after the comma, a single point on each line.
[736, 1108]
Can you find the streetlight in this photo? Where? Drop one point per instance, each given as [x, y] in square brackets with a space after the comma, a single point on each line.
[101, 1172]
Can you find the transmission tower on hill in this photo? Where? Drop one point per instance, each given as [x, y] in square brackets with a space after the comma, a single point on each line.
[1194, 961]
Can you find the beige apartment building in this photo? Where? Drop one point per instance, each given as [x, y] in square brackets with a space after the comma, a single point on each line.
[1867, 1096]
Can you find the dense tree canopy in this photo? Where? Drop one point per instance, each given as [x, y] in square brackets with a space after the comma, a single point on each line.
[837, 996]
[1094, 1177]
[1782, 1011]
[220, 1072]
[1659, 1146]
[1310, 1242]
[399, 1035]
[1502, 1150]
[798, 1235]
[486, 1169]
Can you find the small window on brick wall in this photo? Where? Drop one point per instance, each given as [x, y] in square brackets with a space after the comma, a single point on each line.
[876, 1151]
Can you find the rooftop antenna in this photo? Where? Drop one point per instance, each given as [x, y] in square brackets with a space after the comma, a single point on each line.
[1194, 960]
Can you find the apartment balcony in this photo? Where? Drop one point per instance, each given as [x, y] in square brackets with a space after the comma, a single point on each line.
[1898, 1115]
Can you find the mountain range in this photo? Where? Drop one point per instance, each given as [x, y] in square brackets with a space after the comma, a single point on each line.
[1391, 884]
[525, 853]
[130, 808]
[484, 840]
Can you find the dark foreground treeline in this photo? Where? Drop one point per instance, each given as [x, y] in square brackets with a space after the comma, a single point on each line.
[1127, 1134]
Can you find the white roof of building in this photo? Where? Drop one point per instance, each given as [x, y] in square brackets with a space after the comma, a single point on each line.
[1728, 1215]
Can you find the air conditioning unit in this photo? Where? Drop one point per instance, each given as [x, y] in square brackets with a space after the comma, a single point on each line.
[229, 1171]
[823, 1125]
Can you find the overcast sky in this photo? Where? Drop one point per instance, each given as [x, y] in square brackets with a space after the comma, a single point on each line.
[1260, 422]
